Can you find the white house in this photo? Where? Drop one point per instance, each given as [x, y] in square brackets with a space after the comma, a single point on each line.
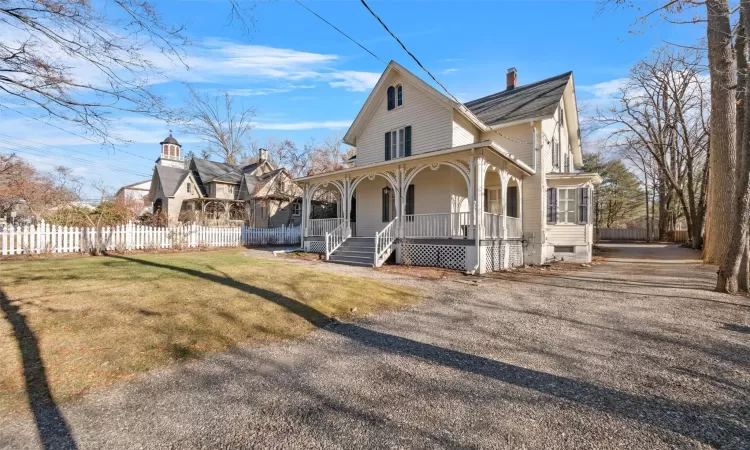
[478, 186]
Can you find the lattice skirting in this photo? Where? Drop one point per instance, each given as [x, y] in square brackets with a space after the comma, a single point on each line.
[315, 246]
[494, 255]
[515, 254]
[446, 256]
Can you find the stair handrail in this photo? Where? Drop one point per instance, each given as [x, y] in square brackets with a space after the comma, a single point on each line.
[384, 239]
[336, 237]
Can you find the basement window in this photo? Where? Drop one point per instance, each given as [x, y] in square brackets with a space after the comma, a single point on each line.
[564, 249]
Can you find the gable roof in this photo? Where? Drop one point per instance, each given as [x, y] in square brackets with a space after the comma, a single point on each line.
[208, 170]
[267, 186]
[171, 178]
[531, 101]
[373, 100]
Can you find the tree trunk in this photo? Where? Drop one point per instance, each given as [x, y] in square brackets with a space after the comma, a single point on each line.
[648, 226]
[727, 279]
[743, 278]
[722, 154]
[663, 207]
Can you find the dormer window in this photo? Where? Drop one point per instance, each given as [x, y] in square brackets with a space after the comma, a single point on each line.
[391, 98]
[399, 95]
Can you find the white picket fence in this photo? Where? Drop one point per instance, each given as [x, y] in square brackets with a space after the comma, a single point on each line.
[45, 238]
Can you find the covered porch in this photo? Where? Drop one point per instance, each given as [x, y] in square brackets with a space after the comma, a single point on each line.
[443, 200]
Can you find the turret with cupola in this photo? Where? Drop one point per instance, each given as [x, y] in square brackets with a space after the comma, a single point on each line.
[171, 153]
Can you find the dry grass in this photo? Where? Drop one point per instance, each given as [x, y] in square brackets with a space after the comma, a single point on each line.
[104, 319]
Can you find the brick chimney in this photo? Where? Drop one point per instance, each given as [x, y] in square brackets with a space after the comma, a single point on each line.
[511, 78]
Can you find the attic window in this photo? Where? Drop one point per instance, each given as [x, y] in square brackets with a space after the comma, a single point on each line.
[399, 95]
[391, 95]
[189, 188]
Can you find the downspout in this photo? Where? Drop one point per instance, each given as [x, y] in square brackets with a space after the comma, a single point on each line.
[533, 146]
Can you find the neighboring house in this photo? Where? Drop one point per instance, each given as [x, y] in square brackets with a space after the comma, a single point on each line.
[479, 186]
[212, 192]
[136, 193]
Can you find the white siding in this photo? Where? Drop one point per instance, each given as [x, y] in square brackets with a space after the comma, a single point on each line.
[463, 131]
[435, 191]
[519, 144]
[566, 234]
[431, 122]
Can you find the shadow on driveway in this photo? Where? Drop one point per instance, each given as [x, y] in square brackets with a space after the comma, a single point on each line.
[708, 426]
[53, 430]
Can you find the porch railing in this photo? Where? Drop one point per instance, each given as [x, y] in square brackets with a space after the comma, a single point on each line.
[439, 225]
[384, 241]
[515, 227]
[493, 226]
[336, 237]
[319, 227]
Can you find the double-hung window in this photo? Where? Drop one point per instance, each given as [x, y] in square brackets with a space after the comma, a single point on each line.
[566, 206]
[398, 143]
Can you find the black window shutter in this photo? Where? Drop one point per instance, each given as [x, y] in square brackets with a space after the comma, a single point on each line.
[391, 98]
[386, 205]
[486, 202]
[410, 200]
[551, 206]
[512, 201]
[407, 144]
[583, 205]
[387, 146]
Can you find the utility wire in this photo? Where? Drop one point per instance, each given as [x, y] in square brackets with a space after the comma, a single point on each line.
[337, 29]
[430, 73]
[44, 146]
[14, 147]
[66, 131]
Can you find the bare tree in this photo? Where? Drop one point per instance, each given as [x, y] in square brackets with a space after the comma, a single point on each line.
[312, 158]
[663, 108]
[216, 120]
[79, 61]
[23, 185]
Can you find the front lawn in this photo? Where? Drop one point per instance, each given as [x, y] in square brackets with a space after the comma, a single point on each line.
[95, 320]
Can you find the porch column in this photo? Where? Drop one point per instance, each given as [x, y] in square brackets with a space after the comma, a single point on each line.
[479, 175]
[504, 177]
[403, 188]
[520, 203]
[305, 209]
[472, 193]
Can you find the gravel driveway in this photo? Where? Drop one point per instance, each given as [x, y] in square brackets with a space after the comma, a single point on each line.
[636, 352]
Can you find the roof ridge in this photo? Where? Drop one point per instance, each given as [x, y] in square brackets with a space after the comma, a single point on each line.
[522, 87]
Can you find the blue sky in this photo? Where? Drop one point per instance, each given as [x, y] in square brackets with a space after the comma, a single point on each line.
[307, 81]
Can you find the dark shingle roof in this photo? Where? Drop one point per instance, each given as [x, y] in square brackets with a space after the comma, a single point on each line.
[171, 178]
[170, 140]
[524, 102]
[210, 170]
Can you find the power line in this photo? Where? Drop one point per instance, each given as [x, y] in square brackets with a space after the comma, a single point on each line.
[61, 148]
[65, 131]
[428, 72]
[337, 29]
[14, 147]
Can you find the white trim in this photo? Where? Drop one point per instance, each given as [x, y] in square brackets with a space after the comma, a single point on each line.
[483, 144]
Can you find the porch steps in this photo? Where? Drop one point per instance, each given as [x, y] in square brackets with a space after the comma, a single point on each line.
[355, 251]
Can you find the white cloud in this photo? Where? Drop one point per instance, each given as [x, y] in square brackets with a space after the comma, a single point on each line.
[449, 71]
[354, 81]
[605, 89]
[217, 60]
[295, 126]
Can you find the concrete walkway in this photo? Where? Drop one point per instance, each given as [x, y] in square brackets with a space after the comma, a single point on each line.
[632, 353]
